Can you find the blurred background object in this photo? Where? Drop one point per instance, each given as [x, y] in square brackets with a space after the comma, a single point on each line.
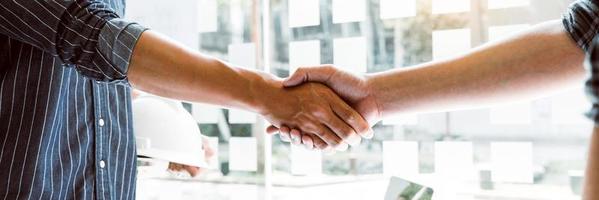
[165, 130]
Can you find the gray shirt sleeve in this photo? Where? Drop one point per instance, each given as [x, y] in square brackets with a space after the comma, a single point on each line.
[581, 21]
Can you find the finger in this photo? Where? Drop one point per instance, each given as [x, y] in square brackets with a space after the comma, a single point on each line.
[307, 141]
[272, 129]
[343, 130]
[174, 167]
[296, 136]
[285, 129]
[305, 74]
[351, 118]
[284, 134]
[284, 137]
[193, 171]
[328, 136]
[342, 147]
[170, 166]
[318, 143]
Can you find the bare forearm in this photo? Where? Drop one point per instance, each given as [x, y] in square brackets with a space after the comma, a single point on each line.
[165, 68]
[541, 60]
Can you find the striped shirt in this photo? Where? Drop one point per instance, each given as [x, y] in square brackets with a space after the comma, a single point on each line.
[65, 109]
[582, 23]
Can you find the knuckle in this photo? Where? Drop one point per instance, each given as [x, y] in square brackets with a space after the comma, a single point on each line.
[328, 67]
[320, 112]
[349, 117]
[301, 70]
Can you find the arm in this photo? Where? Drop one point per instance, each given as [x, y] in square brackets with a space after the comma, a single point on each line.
[163, 67]
[541, 60]
[91, 37]
[533, 63]
[538, 61]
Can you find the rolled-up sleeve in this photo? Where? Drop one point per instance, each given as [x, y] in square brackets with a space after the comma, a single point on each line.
[85, 34]
[581, 21]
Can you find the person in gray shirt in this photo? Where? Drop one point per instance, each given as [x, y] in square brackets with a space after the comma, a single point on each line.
[543, 59]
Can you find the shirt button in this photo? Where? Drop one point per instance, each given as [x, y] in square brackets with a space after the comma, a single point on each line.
[101, 122]
[102, 164]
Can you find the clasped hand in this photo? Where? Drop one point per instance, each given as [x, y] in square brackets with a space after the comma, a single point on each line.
[320, 116]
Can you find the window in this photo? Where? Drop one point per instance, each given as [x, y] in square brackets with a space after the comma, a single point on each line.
[494, 152]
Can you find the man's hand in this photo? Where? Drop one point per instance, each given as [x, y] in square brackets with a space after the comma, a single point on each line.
[352, 88]
[194, 171]
[314, 109]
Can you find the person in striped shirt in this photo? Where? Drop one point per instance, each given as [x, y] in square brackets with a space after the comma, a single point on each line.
[546, 58]
[67, 68]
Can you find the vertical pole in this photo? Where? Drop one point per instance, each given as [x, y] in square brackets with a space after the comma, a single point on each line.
[267, 139]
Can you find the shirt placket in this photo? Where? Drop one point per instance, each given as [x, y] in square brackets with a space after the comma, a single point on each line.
[102, 186]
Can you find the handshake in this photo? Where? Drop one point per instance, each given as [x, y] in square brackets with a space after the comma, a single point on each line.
[325, 108]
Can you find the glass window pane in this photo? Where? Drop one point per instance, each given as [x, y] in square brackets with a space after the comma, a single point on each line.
[159, 16]
[448, 43]
[400, 158]
[304, 13]
[569, 107]
[205, 114]
[237, 116]
[243, 55]
[454, 160]
[512, 162]
[303, 53]
[397, 8]
[304, 161]
[349, 11]
[350, 54]
[207, 16]
[450, 6]
[500, 32]
[495, 4]
[518, 113]
[243, 154]
[401, 120]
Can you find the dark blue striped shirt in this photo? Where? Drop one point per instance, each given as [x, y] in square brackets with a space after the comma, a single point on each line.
[65, 109]
[582, 23]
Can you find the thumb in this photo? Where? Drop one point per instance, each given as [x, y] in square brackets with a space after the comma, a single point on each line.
[308, 74]
[296, 78]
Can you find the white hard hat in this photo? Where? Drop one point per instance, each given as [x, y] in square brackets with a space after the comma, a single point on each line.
[164, 130]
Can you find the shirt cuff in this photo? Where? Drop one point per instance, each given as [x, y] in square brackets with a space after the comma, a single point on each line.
[116, 42]
[580, 23]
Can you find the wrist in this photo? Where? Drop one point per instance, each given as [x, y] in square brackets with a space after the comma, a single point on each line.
[373, 98]
[263, 88]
